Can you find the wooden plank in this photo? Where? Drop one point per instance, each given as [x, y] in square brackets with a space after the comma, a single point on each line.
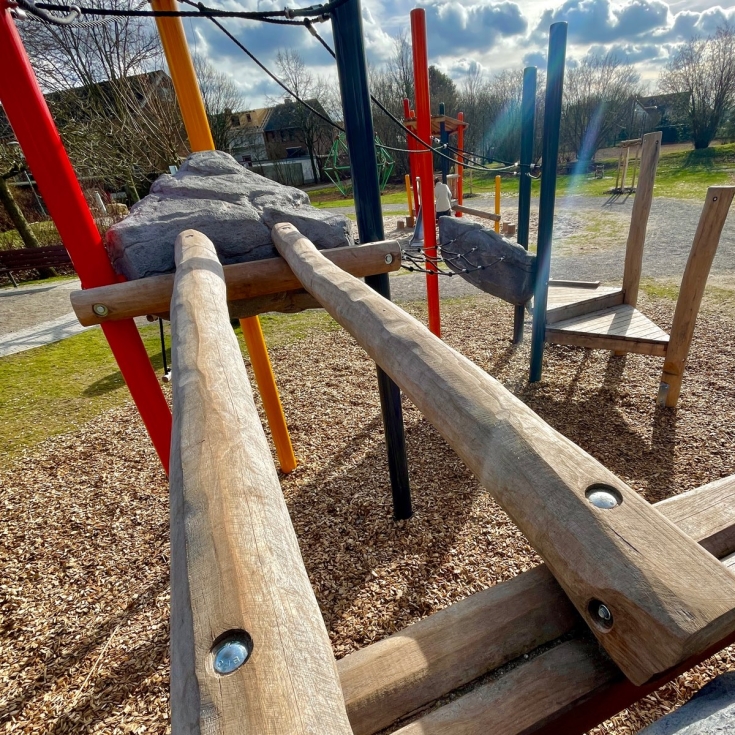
[704, 247]
[476, 212]
[652, 348]
[387, 680]
[667, 596]
[235, 560]
[244, 281]
[556, 283]
[622, 320]
[639, 217]
[578, 301]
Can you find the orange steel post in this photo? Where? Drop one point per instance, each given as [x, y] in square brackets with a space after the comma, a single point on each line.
[409, 195]
[460, 167]
[497, 202]
[412, 145]
[189, 96]
[425, 163]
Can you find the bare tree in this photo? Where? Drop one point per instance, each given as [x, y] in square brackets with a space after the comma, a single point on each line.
[597, 97]
[221, 98]
[12, 164]
[317, 133]
[705, 69]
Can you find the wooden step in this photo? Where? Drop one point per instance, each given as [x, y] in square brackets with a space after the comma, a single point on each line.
[619, 328]
[568, 299]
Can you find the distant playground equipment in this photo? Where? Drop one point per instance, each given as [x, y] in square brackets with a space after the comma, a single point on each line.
[624, 163]
[337, 164]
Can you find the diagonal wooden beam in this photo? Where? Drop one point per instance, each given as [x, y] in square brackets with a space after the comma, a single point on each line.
[649, 593]
[389, 679]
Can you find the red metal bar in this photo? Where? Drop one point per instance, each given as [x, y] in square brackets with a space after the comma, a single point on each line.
[34, 128]
[460, 167]
[425, 167]
[411, 144]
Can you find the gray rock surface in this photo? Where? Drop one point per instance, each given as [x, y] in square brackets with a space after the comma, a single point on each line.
[233, 206]
[709, 712]
[495, 265]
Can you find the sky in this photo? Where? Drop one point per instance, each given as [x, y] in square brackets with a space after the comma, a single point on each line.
[463, 34]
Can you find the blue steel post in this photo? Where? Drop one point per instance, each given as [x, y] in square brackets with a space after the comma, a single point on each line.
[549, 157]
[528, 123]
[358, 122]
[443, 139]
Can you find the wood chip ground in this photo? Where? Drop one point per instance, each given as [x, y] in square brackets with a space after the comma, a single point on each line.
[84, 517]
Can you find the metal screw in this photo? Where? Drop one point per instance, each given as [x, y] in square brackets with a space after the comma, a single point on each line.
[714, 199]
[603, 497]
[389, 259]
[604, 613]
[231, 653]
[100, 310]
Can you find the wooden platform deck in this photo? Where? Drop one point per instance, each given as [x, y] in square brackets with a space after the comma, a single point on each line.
[595, 316]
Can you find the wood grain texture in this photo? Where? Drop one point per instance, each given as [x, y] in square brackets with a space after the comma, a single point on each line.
[704, 247]
[565, 302]
[619, 345]
[391, 678]
[668, 597]
[235, 560]
[244, 281]
[639, 217]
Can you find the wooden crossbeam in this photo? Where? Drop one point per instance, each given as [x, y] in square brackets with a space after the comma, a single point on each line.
[238, 583]
[245, 282]
[388, 680]
[476, 212]
[650, 594]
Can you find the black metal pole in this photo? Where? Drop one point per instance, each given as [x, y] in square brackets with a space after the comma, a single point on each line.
[358, 122]
[528, 122]
[549, 157]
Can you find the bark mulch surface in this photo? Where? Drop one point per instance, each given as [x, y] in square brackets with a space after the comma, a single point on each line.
[84, 517]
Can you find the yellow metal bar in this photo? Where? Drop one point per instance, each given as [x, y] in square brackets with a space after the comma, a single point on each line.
[191, 104]
[497, 202]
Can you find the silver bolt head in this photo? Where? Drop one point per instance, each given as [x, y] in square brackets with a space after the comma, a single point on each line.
[602, 499]
[603, 612]
[230, 655]
[389, 259]
[100, 310]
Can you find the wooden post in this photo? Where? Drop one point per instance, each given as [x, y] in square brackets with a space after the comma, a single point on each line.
[617, 173]
[236, 569]
[650, 594]
[639, 217]
[704, 247]
[625, 168]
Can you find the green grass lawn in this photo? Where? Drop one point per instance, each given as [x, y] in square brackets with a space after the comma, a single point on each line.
[46, 233]
[57, 388]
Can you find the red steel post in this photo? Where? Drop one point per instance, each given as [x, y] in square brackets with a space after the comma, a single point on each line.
[425, 167]
[34, 128]
[460, 167]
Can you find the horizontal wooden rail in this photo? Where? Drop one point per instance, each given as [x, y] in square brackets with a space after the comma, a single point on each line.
[650, 594]
[476, 212]
[244, 281]
[239, 590]
[390, 679]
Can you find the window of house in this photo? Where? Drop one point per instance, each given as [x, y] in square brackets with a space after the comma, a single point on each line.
[249, 117]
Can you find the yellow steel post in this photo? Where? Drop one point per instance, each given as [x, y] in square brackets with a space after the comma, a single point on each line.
[191, 104]
[497, 201]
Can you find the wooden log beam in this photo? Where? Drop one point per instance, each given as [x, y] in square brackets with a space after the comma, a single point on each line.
[694, 281]
[650, 594]
[476, 212]
[236, 570]
[639, 217]
[244, 281]
[388, 680]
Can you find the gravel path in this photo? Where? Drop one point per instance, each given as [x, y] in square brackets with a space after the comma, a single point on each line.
[590, 236]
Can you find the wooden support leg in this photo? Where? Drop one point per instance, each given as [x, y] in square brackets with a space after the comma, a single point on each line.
[649, 593]
[704, 247]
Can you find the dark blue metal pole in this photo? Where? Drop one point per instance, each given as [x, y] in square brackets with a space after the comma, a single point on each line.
[443, 139]
[549, 157]
[358, 121]
[528, 123]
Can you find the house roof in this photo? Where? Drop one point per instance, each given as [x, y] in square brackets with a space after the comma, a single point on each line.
[286, 115]
[257, 120]
[663, 100]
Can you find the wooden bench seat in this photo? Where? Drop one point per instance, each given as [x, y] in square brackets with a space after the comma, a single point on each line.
[20, 259]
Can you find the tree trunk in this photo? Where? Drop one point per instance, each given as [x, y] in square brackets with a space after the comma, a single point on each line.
[22, 225]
